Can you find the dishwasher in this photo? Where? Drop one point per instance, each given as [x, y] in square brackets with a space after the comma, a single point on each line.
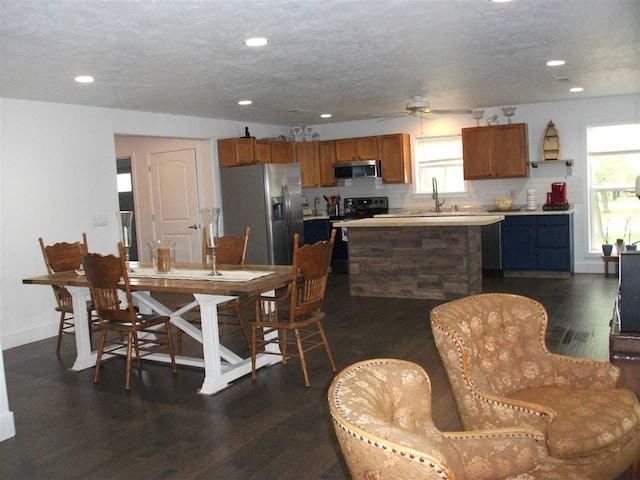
[491, 250]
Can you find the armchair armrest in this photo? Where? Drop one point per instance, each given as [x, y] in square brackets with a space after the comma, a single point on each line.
[584, 373]
[493, 411]
[500, 453]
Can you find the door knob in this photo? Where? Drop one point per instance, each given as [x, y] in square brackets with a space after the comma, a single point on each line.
[195, 227]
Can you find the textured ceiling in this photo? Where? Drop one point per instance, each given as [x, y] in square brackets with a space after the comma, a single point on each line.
[352, 58]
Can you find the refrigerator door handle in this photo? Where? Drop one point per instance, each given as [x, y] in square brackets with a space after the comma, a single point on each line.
[287, 207]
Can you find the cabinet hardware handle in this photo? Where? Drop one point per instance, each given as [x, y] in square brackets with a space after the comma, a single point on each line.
[194, 227]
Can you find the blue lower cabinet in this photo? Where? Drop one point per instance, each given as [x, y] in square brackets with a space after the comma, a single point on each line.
[316, 230]
[538, 243]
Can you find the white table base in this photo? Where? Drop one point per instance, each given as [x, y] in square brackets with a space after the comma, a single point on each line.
[221, 365]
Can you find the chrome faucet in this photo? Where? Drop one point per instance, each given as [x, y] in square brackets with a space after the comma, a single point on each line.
[434, 195]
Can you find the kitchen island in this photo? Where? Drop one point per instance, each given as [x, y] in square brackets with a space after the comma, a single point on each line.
[435, 258]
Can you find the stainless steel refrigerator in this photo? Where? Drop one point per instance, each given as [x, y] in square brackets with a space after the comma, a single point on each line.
[267, 198]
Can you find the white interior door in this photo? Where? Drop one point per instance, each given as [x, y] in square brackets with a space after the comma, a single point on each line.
[174, 194]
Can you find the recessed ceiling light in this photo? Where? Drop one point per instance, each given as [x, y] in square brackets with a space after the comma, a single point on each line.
[245, 102]
[555, 63]
[256, 42]
[325, 115]
[576, 89]
[84, 79]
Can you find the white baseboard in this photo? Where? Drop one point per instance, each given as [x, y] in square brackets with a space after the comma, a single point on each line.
[34, 334]
[7, 426]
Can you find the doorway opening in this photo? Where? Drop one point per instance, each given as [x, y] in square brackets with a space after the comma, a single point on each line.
[125, 198]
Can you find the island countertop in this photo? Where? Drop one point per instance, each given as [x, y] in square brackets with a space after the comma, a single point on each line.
[436, 221]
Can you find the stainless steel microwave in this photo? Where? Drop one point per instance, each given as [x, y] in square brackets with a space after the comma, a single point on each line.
[362, 169]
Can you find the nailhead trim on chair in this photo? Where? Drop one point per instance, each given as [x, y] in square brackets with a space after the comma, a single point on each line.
[367, 440]
[393, 450]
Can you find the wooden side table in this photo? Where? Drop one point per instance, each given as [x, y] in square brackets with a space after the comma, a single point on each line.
[609, 258]
[624, 353]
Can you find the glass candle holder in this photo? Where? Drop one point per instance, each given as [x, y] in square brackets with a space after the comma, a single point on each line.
[125, 223]
[209, 221]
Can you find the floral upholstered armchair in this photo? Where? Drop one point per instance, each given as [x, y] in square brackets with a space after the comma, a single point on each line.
[381, 412]
[502, 376]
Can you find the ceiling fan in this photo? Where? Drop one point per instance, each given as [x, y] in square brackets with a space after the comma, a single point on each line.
[420, 107]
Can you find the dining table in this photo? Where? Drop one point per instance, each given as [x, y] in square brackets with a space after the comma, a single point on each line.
[221, 365]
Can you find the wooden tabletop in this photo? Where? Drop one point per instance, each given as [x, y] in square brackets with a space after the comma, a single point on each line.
[280, 278]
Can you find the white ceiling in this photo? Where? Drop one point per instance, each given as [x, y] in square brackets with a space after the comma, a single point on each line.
[352, 58]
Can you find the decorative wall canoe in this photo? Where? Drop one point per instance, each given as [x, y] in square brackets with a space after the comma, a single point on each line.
[551, 143]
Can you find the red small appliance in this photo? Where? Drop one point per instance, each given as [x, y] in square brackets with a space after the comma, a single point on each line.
[558, 193]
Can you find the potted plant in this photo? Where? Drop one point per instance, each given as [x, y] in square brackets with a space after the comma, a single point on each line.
[619, 245]
[631, 246]
[606, 246]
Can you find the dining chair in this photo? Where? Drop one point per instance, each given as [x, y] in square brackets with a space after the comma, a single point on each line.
[64, 257]
[230, 250]
[122, 327]
[305, 295]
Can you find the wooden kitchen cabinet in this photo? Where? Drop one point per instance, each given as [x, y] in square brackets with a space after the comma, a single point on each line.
[236, 151]
[262, 151]
[326, 159]
[498, 151]
[282, 152]
[306, 154]
[395, 157]
[356, 149]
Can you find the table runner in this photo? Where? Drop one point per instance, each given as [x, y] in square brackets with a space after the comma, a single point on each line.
[185, 274]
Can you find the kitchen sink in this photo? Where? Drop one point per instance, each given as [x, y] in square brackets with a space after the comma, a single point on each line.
[455, 210]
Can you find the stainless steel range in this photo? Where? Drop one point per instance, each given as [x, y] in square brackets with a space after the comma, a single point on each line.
[354, 208]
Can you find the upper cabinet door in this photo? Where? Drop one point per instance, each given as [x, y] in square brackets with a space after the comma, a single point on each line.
[307, 156]
[236, 151]
[263, 151]
[499, 151]
[511, 150]
[282, 152]
[395, 157]
[477, 152]
[326, 159]
[356, 149]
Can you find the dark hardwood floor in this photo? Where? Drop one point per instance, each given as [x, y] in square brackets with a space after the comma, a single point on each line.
[274, 428]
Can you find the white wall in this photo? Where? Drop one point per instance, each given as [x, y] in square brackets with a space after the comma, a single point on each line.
[571, 117]
[58, 170]
[7, 424]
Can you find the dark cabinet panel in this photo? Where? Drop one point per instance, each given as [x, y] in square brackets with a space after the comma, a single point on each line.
[538, 243]
[518, 243]
[316, 230]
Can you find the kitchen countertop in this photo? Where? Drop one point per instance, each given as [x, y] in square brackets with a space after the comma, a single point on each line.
[441, 220]
[324, 216]
[471, 211]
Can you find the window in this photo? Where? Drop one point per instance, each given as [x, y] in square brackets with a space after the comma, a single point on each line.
[124, 182]
[614, 163]
[439, 157]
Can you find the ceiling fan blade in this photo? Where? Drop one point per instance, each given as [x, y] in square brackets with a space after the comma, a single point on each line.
[451, 112]
[394, 114]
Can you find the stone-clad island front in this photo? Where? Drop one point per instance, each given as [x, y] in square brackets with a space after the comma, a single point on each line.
[433, 258]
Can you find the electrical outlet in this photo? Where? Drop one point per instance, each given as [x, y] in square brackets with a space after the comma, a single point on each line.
[99, 220]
